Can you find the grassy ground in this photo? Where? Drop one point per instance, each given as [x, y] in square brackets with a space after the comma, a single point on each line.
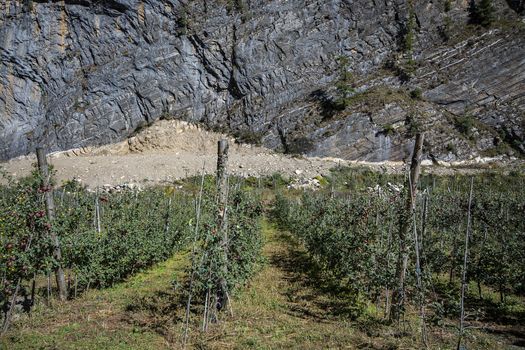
[279, 310]
[287, 305]
[96, 320]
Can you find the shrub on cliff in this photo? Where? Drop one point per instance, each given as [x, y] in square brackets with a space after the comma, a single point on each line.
[481, 13]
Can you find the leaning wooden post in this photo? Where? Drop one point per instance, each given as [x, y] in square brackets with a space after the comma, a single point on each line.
[398, 297]
[222, 221]
[50, 208]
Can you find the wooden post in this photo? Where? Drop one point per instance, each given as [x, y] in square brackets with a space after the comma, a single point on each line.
[167, 218]
[464, 272]
[97, 213]
[9, 313]
[398, 297]
[222, 221]
[222, 164]
[423, 229]
[50, 208]
[198, 207]
[415, 168]
[387, 287]
[419, 278]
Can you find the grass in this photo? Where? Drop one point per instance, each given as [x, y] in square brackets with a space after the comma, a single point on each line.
[96, 320]
[277, 310]
[288, 305]
[379, 96]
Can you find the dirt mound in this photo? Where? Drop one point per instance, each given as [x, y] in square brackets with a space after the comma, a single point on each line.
[174, 136]
[165, 151]
[165, 136]
[170, 150]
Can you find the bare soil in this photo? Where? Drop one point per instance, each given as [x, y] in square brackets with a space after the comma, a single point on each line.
[170, 150]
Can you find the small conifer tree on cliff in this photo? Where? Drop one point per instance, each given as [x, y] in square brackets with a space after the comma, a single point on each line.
[481, 13]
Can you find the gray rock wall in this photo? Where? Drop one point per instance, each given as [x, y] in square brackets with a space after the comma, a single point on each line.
[85, 72]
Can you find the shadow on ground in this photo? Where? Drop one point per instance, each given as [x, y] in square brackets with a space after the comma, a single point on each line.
[311, 293]
[157, 312]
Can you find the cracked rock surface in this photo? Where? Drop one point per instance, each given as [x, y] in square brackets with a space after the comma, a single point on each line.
[75, 73]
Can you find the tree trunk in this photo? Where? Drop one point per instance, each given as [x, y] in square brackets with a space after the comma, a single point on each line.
[398, 297]
[222, 222]
[50, 208]
[419, 281]
[464, 272]
[479, 290]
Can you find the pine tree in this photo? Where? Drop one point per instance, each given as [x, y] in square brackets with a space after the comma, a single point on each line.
[473, 12]
[485, 13]
[482, 13]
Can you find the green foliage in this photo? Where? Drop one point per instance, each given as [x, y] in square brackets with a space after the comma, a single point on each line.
[236, 5]
[413, 125]
[25, 244]
[106, 237]
[446, 29]
[485, 13]
[344, 84]
[183, 20]
[210, 265]
[388, 130]
[359, 179]
[481, 13]
[464, 124]
[276, 180]
[450, 147]
[416, 94]
[137, 229]
[28, 5]
[322, 180]
[240, 7]
[403, 69]
[511, 139]
[448, 5]
[352, 235]
[409, 35]
[248, 136]
[347, 239]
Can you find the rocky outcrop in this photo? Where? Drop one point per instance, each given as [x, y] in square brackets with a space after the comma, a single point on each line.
[468, 96]
[87, 72]
[491, 87]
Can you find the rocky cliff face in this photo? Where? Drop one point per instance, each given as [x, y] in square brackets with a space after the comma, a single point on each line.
[84, 72]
